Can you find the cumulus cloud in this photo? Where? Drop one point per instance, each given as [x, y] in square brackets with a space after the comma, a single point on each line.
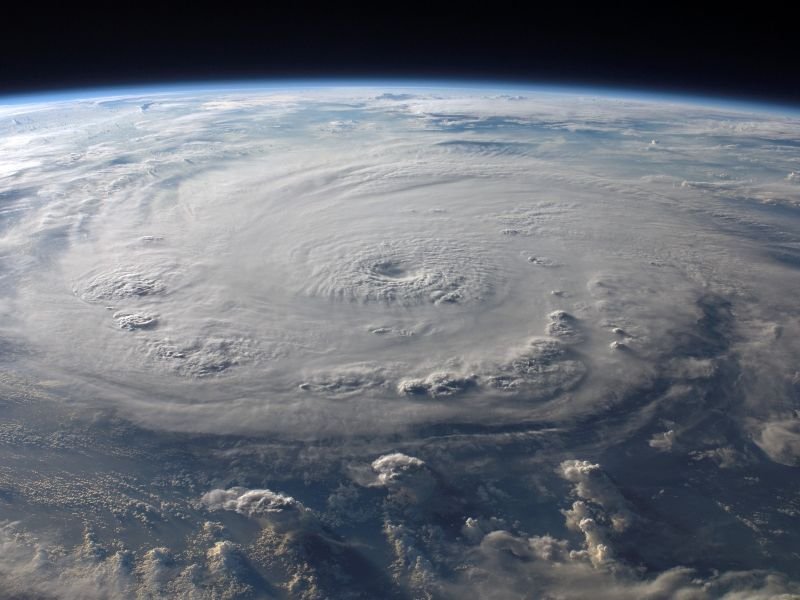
[780, 440]
[251, 503]
[541, 369]
[400, 472]
[563, 326]
[601, 513]
[663, 441]
[32, 567]
[414, 494]
[135, 320]
[591, 483]
[348, 381]
[120, 284]
[506, 566]
[725, 457]
[437, 385]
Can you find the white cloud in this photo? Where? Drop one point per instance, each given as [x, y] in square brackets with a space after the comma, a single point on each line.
[506, 566]
[780, 440]
[251, 503]
[593, 485]
[663, 441]
[394, 470]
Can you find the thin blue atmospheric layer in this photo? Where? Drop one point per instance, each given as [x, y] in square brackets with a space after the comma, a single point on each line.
[451, 85]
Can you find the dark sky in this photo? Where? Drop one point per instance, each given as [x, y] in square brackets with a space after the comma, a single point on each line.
[736, 55]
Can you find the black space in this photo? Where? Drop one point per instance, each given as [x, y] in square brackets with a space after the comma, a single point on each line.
[739, 55]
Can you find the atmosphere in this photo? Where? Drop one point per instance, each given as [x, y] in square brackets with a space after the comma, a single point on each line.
[323, 341]
[430, 308]
[741, 54]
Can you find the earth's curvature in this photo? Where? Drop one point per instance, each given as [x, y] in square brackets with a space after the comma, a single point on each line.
[395, 342]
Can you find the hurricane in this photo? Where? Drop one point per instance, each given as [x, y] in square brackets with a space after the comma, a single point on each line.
[365, 341]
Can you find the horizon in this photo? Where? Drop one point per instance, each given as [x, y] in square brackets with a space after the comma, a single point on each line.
[611, 92]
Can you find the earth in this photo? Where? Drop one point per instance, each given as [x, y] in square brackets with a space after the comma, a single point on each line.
[330, 341]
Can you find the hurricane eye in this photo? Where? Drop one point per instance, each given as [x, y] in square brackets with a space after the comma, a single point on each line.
[390, 269]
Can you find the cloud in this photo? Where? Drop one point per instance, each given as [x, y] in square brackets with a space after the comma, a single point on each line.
[411, 331]
[592, 484]
[413, 493]
[399, 470]
[541, 369]
[280, 512]
[726, 457]
[563, 326]
[135, 321]
[251, 503]
[506, 566]
[403, 237]
[437, 385]
[347, 381]
[663, 441]
[407, 272]
[601, 513]
[780, 440]
[120, 284]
